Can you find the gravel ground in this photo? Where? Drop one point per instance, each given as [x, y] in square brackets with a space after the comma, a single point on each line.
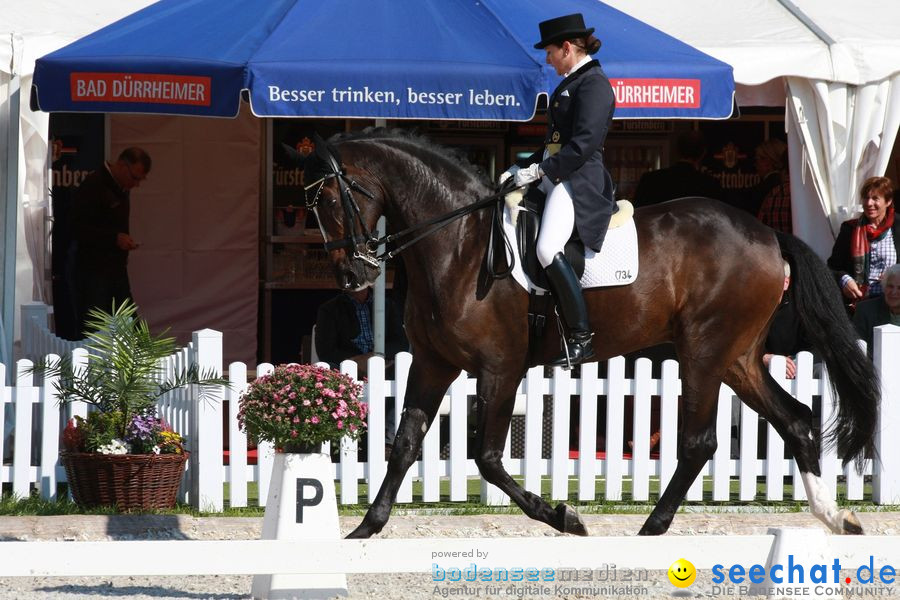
[377, 587]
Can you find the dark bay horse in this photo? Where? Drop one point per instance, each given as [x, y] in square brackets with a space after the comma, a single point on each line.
[711, 278]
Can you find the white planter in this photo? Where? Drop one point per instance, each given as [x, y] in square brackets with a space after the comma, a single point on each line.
[301, 506]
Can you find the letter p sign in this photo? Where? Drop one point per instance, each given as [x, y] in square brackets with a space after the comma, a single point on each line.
[302, 483]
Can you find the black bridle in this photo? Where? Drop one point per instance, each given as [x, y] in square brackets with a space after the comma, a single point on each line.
[367, 240]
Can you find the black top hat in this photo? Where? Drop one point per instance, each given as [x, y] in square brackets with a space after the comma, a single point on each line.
[562, 28]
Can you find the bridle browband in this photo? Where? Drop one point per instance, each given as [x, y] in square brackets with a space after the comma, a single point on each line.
[367, 240]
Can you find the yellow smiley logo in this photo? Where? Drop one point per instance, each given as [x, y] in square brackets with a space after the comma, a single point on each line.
[682, 573]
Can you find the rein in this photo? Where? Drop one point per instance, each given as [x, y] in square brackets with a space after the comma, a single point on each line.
[352, 214]
[436, 224]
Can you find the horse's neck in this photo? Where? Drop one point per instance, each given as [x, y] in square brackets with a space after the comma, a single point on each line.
[453, 251]
[414, 198]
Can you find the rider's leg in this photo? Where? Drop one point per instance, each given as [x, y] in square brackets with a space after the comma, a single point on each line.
[556, 229]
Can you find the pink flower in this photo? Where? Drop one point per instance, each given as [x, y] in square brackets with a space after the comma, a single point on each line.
[314, 419]
[340, 424]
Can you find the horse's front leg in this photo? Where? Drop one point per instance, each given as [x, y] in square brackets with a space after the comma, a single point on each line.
[496, 397]
[427, 384]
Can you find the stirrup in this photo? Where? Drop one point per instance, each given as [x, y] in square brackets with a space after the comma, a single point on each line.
[575, 351]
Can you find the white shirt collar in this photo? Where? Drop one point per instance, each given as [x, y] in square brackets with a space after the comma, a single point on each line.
[587, 58]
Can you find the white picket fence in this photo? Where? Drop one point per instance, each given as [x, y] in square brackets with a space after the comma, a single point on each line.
[38, 338]
[31, 420]
[610, 476]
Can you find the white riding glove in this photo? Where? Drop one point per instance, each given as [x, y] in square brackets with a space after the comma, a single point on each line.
[528, 175]
[514, 198]
[507, 174]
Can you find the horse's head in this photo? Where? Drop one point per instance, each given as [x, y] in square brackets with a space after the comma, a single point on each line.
[347, 225]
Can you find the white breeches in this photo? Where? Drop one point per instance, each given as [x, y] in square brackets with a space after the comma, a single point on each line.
[557, 222]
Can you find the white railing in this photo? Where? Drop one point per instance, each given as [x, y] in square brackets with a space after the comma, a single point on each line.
[38, 339]
[446, 461]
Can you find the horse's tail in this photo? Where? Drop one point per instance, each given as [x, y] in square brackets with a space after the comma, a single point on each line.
[826, 326]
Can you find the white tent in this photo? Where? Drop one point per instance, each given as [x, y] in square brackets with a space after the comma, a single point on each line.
[30, 29]
[834, 65]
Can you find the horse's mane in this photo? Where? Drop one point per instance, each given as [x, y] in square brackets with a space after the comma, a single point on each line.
[422, 143]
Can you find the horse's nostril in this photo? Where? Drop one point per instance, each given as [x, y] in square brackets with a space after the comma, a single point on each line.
[349, 281]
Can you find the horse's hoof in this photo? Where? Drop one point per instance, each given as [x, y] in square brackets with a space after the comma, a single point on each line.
[363, 531]
[850, 524]
[570, 521]
[360, 533]
[653, 526]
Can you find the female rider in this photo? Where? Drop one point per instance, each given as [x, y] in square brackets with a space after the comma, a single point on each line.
[580, 191]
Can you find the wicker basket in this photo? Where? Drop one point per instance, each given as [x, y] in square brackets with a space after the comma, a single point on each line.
[128, 481]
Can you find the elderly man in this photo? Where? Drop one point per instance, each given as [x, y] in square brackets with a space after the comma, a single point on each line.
[881, 310]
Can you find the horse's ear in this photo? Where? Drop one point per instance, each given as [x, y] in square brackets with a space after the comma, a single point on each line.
[320, 145]
[326, 151]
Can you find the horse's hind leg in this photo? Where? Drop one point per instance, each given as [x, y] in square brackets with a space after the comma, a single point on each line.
[697, 443]
[496, 397]
[793, 422]
[427, 384]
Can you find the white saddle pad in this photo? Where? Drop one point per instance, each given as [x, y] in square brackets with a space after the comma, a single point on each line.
[615, 264]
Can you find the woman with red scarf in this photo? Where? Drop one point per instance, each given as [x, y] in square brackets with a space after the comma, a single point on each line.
[867, 245]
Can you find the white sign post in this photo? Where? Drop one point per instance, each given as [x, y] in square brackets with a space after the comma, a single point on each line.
[301, 505]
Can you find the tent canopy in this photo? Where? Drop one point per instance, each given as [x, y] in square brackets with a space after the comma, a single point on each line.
[836, 68]
[764, 40]
[421, 59]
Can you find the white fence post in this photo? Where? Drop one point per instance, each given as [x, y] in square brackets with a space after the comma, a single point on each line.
[886, 468]
[24, 396]
[534, 415]
[49, 399]
[237, 439]
[615, 423]
[561, 387]
[265, 451]
[206, 428]
[588, 467]
[459, 440]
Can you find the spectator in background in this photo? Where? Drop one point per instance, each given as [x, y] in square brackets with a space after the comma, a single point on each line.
[344, 330]
[785, 337]
[682, 179]
[773, 193]
[100, 231]
[881, 310]
[867, 245]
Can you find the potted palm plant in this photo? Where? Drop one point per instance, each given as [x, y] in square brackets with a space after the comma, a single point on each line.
[123, 453]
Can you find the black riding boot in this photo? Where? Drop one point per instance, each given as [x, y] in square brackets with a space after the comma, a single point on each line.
[565, 286]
